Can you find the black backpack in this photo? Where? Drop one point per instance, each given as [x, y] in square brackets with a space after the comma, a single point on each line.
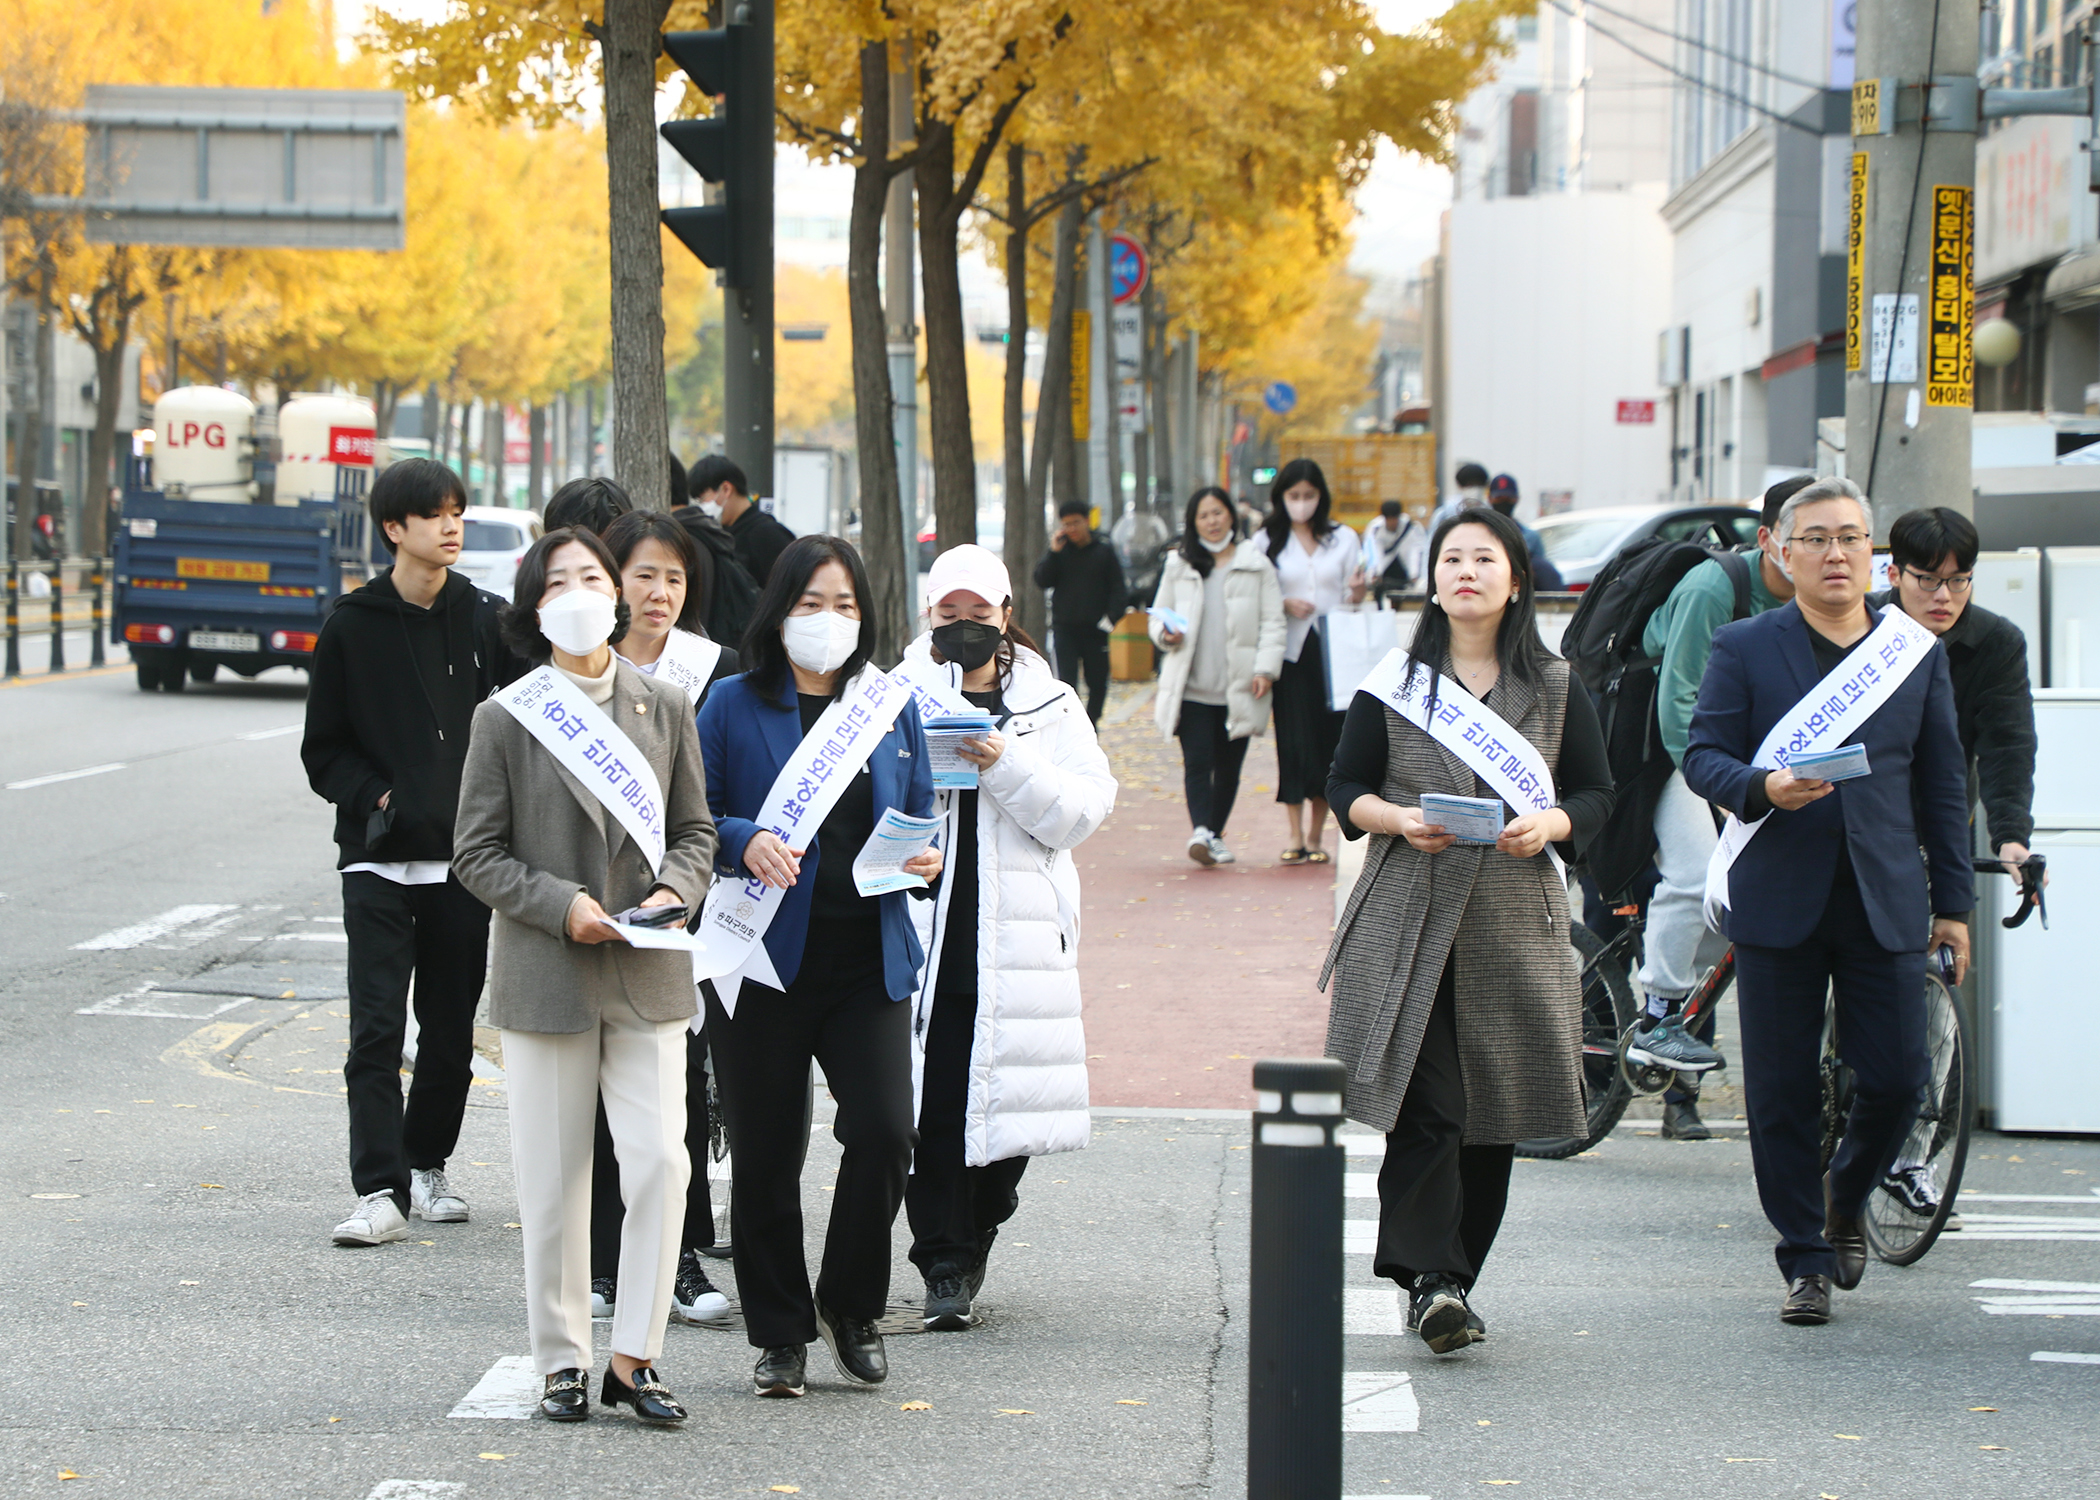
[1603, 646]
[732, 594]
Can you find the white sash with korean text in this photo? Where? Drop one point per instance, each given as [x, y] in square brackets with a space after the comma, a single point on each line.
[733, 923]
[586, 743]
[1470, 730]
[1832, 712]
[931, 688]
[687, 662]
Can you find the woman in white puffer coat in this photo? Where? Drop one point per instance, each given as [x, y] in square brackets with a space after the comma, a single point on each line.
[996, 1029]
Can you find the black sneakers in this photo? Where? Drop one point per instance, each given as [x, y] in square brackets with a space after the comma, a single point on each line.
[856, 1348]
[1437, 1311]
[1681, 1122]
[604, 1295]
[693, 1296]
[947, 1304]
[781, 1371]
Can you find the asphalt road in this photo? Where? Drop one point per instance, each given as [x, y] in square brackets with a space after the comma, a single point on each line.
[180, 1327]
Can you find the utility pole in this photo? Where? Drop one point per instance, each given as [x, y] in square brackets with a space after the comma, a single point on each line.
[747, 308]
[899, 251]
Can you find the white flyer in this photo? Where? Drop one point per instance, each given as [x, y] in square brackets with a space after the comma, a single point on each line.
[1470, 820]
[879, 867]
[656, 937]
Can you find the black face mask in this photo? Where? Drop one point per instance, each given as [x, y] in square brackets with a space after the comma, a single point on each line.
[967, 643]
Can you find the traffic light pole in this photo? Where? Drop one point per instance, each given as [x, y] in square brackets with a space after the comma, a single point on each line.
[747, 310]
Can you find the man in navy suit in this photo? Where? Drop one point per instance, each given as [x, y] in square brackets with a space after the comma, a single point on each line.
[1830, 892]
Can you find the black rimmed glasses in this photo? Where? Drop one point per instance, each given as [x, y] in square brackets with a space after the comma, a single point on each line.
[1957, 585]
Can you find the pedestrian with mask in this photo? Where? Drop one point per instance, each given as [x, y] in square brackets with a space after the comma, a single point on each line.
[1457, 1006]
[665, 639]
[1087, 596]
[823, 971]
[1471, 480]
[1001, 1050]
[719, 488]
[1396, 551]
[1503, 496]
[1215, 673]
[584, 797]
[400, 666]
[1319, 568]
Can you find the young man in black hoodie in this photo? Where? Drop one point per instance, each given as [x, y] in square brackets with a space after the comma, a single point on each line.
[1087, 598]
[401, 665]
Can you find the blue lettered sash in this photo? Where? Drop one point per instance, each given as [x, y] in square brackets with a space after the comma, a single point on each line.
[586, 743]
[729, 948]
[1833, 711]
[687, 662]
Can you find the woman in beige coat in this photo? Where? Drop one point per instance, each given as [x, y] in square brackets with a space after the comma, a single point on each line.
[581, 1011]
[1214, 681]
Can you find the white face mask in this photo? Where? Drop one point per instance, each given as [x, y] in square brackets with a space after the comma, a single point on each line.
[712, 509]
[820, 642]
[578, 622]
[1472, 495]
[1218, 546]
[1301, 511]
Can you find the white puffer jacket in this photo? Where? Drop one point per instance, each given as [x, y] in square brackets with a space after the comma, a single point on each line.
[1048, 791]
[1255, 632]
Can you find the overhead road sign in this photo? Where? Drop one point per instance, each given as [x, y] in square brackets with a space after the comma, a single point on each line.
[317, 169]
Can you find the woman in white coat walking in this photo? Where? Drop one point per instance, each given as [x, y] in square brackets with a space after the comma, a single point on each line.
[996, 1029]
[1214, 682]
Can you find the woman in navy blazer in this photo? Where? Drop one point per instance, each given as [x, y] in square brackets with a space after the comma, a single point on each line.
[839, 997]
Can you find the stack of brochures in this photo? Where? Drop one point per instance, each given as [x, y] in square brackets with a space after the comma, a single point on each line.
[944, 735]
[1845, 763]
[1470, 820]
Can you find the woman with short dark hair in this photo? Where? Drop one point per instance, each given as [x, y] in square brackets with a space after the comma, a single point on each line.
[1318, 566]
[824, 967]
[583, 796]
[1457, 1007]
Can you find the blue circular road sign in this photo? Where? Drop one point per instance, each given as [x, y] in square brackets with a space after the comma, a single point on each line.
[1279, 398]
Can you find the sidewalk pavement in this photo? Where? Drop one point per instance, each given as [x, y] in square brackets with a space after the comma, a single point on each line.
[1190, 973]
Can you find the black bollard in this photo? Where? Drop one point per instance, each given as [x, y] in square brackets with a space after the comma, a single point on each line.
[58, 616]
[1294, 1332]
[96, 658]
[14, 618]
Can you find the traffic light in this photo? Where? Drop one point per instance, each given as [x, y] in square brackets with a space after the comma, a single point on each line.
[733, 65]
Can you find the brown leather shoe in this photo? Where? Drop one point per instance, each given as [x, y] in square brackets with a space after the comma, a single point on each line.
[1847, 1239]
[1807, 1301]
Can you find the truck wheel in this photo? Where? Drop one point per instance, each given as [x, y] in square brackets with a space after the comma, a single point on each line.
[174, 674]
[148, 664]
[203, 671]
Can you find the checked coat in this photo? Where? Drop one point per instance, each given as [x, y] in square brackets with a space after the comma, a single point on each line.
[1503, 924]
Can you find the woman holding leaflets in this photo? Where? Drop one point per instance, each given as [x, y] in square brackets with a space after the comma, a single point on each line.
[1457, 1005]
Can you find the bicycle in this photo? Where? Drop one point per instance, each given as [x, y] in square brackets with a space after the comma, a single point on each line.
[1917, 1196]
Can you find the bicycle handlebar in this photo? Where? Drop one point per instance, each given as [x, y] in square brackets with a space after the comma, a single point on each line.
[2031, 870]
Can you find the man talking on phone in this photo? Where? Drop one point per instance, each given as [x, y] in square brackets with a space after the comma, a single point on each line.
[1826, 728]
[401, 665]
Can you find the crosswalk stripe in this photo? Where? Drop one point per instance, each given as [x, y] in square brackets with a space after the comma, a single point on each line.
[152, 927]
[1372, 1310]
[415, 1489]
[2051, 1357]
[1379, 1401]
[1359, 1236]
[2000, 1284]
[510, 1390]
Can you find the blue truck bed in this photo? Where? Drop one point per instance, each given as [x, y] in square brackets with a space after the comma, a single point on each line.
[201, 584]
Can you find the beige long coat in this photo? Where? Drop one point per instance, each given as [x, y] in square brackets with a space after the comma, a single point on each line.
[1503, 924]
[529, 837]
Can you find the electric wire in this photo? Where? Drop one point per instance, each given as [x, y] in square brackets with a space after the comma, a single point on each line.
[1695, 81]
[1720, 52]
[1881, 405]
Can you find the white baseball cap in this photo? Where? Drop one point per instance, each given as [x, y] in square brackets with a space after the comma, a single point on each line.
[968, 569]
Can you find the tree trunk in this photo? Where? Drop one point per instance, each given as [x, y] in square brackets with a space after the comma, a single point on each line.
[954, 452]
[102, 443]
[1024, 513]
[1053, 427]
[386, 395]
[29, 450]
[536, 469]
[881, 520]
[433, 421]
[1067, 463]
[641, 414]
[492, 448]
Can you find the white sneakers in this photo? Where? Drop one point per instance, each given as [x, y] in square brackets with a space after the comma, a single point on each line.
[1219, 854]
[374, 1221]
[431, 1198]
[1203, 849]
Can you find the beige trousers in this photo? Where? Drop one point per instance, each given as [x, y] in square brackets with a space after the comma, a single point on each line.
[555, 1079]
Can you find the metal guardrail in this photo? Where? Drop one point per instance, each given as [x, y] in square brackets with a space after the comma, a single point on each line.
[98, 585]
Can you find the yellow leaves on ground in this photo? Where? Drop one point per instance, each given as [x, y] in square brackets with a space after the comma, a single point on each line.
[916, 1406]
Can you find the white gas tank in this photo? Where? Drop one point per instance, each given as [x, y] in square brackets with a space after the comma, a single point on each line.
[204, 445]
[317, 437]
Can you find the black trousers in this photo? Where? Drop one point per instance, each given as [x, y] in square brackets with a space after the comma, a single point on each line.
[1881, 1037]
[439, 935]
[1210, 764]
[609, 1209]
[955, 1211]
[1440, 1201]
[1084, 646]
[862, 1038]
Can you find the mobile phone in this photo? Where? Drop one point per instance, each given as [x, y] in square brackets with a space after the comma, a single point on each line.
[672, 915]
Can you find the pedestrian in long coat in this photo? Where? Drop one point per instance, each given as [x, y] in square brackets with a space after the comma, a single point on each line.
[1457, 1000]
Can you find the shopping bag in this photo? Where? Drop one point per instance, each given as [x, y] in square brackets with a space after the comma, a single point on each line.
[1353, 642]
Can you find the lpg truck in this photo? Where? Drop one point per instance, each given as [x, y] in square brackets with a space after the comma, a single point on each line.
[212, 570]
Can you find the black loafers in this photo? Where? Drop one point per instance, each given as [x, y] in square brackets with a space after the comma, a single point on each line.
[1847, 1239]
[856, 1348]
[651, 1399]
[1807, 1301]
[781, 1371]
[567, 1396]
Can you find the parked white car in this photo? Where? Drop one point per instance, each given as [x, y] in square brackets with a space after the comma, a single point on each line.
[496, 542]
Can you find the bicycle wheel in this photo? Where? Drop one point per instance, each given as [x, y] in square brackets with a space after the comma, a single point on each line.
[1938, 1144]
[1608, 1008]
